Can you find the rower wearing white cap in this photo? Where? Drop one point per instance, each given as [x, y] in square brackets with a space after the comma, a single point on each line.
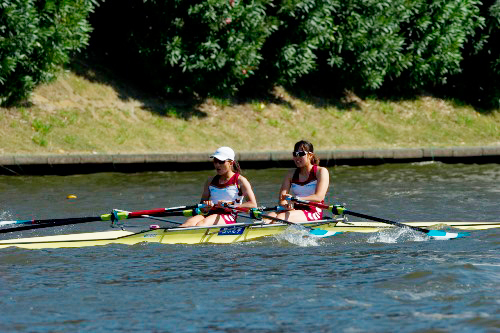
[228, 185]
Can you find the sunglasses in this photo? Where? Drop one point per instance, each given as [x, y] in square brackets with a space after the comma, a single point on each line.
[299, 153]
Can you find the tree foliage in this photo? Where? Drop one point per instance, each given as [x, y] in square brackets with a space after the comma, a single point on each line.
[219, 47]
[477, 82]
[36, 37]
[207, 47]
[302, 29]
[493, 50]
[415, 43]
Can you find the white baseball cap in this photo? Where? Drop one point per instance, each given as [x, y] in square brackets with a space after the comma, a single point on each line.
[223, 153]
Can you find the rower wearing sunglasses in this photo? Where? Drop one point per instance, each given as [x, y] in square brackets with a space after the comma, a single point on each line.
[228, 185]
[308, 182]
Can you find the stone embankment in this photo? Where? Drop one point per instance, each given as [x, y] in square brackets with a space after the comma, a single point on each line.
[91, 163]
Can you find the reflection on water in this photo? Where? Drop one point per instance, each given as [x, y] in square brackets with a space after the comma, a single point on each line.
[348, 283]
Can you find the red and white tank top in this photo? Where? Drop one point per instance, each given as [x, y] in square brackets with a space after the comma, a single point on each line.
[229, 191]
[307, 187]
[304, 189]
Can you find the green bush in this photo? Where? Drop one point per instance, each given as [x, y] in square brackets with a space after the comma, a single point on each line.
[203, 47]
[480, 71]
[494, 50]
[217, 47]
[36, 37]
[410, 43]
[303, 28]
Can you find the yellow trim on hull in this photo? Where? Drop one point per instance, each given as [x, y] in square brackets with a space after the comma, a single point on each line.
[213, 234]
[194, 235]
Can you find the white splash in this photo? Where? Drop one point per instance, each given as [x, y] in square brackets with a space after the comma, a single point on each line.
[394, 235]
[297, 235]
[4, 215]
[411, 295]
[441, 316]
[425, 163]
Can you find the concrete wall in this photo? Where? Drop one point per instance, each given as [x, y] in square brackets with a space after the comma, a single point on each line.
[90, 163]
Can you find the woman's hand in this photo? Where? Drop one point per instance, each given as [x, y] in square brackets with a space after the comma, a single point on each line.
[223, 203]
[287, 204]
[208, 205]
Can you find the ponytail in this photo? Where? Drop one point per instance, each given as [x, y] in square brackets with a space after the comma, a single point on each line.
[236, 167]
[314, 159]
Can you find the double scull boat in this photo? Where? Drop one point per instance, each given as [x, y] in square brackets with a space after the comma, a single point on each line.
[218, 234]
[259, 226]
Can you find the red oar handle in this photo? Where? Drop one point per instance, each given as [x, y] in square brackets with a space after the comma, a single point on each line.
[174, 211]
[239, 209]
[335, 209]
[146, 212]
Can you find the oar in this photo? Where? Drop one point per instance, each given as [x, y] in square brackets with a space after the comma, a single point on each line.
[37, 224]
[195, 212]
[257, 214]
[104, 217]
[190, 212]
[340, 210]
[114, 216]
[174, 211]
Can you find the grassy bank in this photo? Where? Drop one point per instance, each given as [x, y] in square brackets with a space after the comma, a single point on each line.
[84, 114]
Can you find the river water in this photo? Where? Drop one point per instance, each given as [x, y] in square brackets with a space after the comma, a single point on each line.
[388, 282]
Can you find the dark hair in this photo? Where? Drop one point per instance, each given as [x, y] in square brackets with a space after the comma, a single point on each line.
[307, 146]
[236, 167]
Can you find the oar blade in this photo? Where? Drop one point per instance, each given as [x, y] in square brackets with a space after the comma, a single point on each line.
[443, 235]
[4, 223]
[320, 233]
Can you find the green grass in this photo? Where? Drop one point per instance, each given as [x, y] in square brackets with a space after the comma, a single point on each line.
[77, 116]
[221, 102]
[258, 106]
[41, 127]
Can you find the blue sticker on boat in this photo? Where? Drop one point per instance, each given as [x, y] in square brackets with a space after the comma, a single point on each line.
[226, 231]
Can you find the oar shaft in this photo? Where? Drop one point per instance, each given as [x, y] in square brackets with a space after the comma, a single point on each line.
[161, 219]
[33, 222]
[257, 214]
[120, 215]
[160, 212]
[105, 217]
[37, 224]
[378, 219]
[338, 209]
